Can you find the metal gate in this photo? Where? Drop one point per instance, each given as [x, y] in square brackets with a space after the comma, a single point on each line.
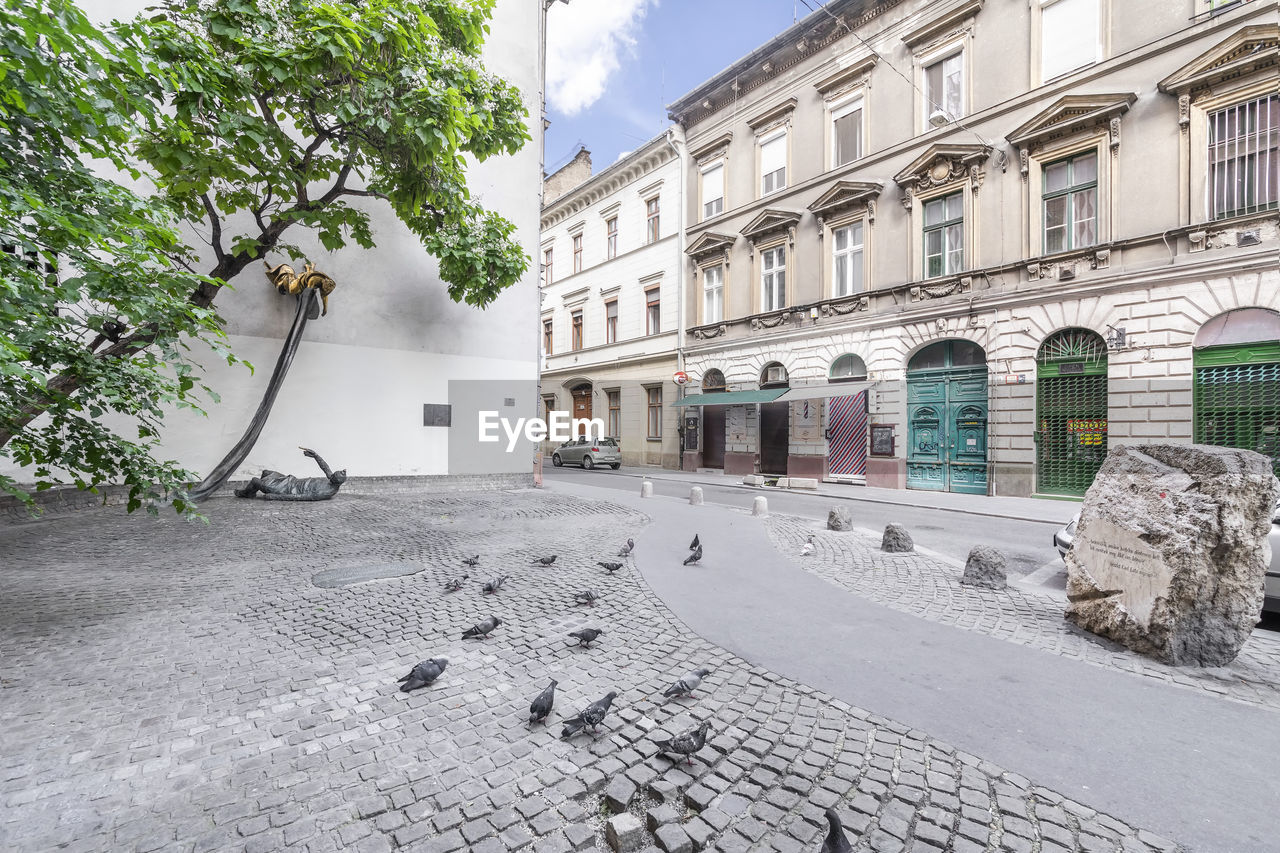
[847, 436]
[1071, 411]
[1236, 398]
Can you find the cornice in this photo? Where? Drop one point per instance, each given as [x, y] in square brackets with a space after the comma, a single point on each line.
[653, 155]
[942, 24]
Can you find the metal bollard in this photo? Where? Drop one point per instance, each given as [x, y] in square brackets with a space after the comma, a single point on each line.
[695, 496]
[646, 489]
[760, 507]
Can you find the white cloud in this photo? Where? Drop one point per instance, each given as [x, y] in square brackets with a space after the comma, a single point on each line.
[585, 42]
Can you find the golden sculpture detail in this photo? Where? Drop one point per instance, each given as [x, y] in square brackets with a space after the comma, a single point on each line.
[286, 281]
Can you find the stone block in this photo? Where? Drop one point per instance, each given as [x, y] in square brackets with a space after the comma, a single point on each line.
[839, 518]
[753, 480]
[985, 568]
[673, 839]
[760, 507]
[624, 833]
[1171, 551]
[646, 489]
[695, 496]
[801, 483]
[896, 539]
[618, 794]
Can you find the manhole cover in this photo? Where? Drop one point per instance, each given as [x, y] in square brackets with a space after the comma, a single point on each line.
[359, 574]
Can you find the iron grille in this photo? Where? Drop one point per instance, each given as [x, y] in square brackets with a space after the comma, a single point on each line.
[1244, 157]
[1072, 435]
[1238, 405]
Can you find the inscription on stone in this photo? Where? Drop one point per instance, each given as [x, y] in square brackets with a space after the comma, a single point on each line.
[1118, 560]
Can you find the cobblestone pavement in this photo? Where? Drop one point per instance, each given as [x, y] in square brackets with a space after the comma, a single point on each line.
[927, 587]
[176, 686]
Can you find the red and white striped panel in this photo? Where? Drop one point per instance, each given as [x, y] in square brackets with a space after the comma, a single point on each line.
[847, 445]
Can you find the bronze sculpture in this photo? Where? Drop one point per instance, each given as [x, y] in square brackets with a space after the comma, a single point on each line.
[286, 487]
[288, 283]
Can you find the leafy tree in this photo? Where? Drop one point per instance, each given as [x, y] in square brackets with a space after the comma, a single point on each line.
[251, 118]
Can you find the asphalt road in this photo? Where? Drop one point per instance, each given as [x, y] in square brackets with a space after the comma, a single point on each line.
[1027, 545]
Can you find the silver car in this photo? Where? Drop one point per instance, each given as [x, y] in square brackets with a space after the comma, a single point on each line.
[1063, 539]
[589, 452]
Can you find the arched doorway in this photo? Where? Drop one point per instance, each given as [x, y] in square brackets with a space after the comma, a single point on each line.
[1236, 382]
[947, 418]
[1071, 411]
[775, 432]
[581, 405]
[847, 421]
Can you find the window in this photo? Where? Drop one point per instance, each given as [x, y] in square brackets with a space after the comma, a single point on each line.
[713, 191]
[846, 132]
[611, 322]
[944, 235]
[773, 278]
[577, 253]
[846, 255]
[773, 163]
[848, 367]
[1070, 36]
[944, 87]
[1071, 203]
[655, 412]
[611, 237]
[546, 336]
[651, 220]
[713, 294]
[546, 266]
[577, 330]
[1244, 157]
[615, 412]
[652, 311]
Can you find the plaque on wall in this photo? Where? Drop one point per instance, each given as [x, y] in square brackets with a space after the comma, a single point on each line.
[806, 423]
[882, 439]
[736, 424]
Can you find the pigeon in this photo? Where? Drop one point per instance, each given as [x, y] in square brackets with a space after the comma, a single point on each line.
[546, 561]
[610, 567]
[589, 717]
[695, 543]
[587, 596]
[494, 584]
[686, 743]
[835, 842]
[625, 550]
[542, 703]
[807, 549]
[586, 636]
[687, 684]
[471, 561]
[482, 629]
[423, 674]
[455, 584]
[695, 557]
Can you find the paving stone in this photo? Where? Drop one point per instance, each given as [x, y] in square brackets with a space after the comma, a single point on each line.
[673, 839]
[625, 833]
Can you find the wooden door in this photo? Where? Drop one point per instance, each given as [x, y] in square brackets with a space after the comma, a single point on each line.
[581, 407]
[774, 437]
[713, 436]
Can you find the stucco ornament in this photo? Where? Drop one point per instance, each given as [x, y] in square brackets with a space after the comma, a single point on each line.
[286, 282]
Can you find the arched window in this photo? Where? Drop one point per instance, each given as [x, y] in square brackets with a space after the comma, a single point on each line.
[847, 368]
[713, 380]
[950, 353]
[773, 375]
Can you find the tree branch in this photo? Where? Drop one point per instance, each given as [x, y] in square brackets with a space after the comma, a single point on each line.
[215, 224]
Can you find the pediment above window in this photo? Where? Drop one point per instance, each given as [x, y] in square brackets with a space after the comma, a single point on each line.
[773, 116]
[844, 195]
[711, 150]
[846, 77]
[771, 222]
[940, 165]
[708, 244]
[942, 25]
[1070, 115]
[1249, 51]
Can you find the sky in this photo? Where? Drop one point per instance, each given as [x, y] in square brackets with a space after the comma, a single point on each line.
[614, 65]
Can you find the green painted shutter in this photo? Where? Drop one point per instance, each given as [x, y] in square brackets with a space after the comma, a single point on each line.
[1236, 394]
[1071, 412]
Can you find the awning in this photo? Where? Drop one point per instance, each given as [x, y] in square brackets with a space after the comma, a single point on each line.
[732, 398]
[826, 389]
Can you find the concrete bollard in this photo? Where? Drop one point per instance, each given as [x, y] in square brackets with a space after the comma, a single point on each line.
[646, 489]
[760, 507]
[695, 496]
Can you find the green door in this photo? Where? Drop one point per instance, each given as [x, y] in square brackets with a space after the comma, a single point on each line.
[947, 418]
[1236, 397]
[1071, 411]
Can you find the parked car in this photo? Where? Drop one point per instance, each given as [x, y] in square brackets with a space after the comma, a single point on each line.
[589, 452]
[1063, 539]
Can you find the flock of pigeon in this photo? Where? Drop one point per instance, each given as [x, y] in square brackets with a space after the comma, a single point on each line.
[684, 745]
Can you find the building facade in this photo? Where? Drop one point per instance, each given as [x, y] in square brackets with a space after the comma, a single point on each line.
[611, 308]
[966, 245]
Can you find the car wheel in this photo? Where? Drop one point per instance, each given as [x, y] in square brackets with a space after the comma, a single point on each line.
[616, 465]
[587, 463]
[555, 460]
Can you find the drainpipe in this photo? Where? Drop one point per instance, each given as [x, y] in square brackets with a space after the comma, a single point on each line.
[676, 139]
